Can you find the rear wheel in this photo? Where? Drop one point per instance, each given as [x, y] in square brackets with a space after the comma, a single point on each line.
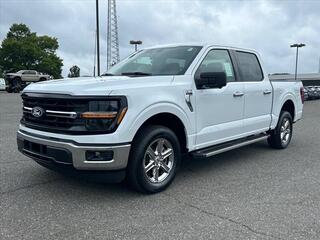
[16, 85]
[281, 136]
[154, 159]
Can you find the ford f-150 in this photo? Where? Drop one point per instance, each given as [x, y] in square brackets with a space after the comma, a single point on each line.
[138, 119]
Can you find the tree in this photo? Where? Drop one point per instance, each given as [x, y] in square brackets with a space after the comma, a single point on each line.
[1, 72]
[74, 72]
[23, 49]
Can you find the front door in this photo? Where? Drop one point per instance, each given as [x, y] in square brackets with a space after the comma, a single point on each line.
[219, 112]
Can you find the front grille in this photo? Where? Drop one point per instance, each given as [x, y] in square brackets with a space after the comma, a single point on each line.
[52, 121]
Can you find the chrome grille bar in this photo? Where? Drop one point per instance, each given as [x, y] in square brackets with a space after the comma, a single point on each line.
[52, 113]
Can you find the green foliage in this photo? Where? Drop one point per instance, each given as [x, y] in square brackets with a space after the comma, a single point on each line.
[1, 72]
[22, 49]
[74, 72]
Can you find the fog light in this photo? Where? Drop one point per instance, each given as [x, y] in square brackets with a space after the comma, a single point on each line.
[99, 155]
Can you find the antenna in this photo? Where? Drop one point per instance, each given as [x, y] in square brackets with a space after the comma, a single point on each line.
[113, 55]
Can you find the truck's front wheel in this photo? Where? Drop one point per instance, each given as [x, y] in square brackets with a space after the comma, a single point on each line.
[154, 159]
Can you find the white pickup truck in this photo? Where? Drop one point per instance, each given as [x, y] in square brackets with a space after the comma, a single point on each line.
[17, 81]
[137, 120]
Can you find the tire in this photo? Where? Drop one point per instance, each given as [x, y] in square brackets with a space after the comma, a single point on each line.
[16, 85]
[148, 171]
[42, 79]
[9, 90]
[281, 136]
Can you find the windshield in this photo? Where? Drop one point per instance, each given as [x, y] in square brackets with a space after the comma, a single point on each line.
[157, 61]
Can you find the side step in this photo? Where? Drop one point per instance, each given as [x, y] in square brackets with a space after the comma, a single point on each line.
[224, 147]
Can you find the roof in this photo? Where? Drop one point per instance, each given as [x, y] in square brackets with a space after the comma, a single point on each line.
[201, 45]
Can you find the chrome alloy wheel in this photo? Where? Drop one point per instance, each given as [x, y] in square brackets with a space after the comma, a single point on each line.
[158, 160]
[285, 131]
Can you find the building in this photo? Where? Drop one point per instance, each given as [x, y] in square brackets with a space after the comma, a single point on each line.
[308, 79]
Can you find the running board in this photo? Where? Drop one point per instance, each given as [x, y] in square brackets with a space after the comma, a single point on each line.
[224, 147]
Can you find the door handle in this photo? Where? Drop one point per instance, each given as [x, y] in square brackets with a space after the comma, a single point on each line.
[238, 94]
[267, 91]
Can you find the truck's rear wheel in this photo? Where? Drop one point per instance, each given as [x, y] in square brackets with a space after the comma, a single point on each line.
[154, 159]
[281, 136]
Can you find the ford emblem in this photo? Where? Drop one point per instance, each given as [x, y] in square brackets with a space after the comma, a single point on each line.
[37, 112]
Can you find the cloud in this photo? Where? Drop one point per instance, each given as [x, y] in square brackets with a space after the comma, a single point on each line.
[267, 26]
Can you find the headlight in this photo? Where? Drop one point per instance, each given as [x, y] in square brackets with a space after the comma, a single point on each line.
[105, 115]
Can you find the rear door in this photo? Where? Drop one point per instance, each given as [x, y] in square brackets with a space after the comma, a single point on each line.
[257, 93]
[219, 112]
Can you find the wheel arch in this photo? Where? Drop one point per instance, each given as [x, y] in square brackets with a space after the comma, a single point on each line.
[168, 116]
[289, 106]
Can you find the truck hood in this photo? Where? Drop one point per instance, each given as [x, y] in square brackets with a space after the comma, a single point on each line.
[96, 85]
[11, 74]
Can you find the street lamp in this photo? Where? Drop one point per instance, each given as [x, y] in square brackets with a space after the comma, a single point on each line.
[296, 45]
[135, 43]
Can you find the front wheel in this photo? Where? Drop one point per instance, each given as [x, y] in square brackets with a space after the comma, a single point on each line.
[154, 159]
[281, 136]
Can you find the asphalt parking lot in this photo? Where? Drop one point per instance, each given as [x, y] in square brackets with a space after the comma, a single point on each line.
[249, 193]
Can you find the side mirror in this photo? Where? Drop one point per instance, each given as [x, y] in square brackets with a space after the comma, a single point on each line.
[211, 80]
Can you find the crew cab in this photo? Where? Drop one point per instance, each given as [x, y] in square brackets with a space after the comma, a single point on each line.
[138, 119]
[17, 81]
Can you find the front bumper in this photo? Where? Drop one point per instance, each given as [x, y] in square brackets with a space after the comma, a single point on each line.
[65, 152]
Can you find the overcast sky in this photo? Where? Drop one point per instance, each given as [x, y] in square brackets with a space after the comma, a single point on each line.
[266, 26]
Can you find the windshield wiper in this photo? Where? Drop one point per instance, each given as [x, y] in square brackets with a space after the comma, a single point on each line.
[135, 74]
[107, 74]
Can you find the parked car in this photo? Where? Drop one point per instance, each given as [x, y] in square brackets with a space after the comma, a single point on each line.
[17, 81]
[306, 94]
[317, 89]
[137, 120]
[312, 92]
[2, 84]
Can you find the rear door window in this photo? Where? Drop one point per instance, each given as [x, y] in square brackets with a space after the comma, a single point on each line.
[249, 67]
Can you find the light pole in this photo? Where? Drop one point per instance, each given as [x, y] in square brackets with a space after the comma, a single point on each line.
[98, 40]
[135, 43]
[296, 45]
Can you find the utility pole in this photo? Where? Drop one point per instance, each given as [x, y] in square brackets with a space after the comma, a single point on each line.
[113, 55]
[296, 45]
[98, 40]
[95, 53]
